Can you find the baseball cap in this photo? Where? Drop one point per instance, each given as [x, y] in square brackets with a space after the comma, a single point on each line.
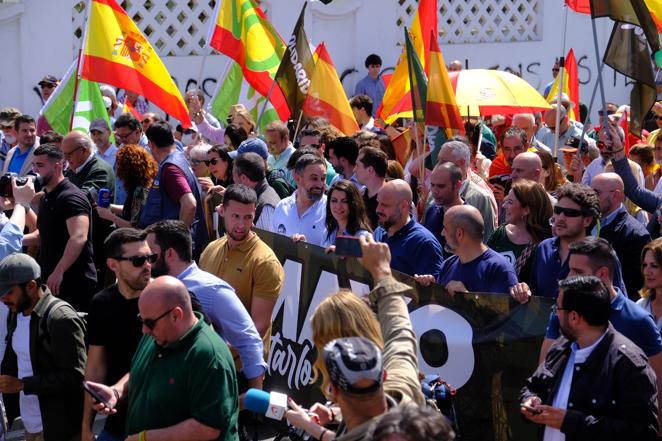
[107, 102]
[100, 125]
[255, 145]
[15, 269]
[352, 359]
[8, 115]
[48, 79]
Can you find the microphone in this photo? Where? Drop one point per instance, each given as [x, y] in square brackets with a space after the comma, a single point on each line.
[271, 404]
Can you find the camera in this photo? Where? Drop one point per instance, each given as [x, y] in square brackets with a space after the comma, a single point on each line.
[5, 183]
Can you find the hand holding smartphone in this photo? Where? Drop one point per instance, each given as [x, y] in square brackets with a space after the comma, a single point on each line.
[97, 397]
[348, 246]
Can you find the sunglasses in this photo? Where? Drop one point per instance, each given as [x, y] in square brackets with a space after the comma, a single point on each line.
[139, 261]
[151, 323]
[212, 161]
[659, 117]
[568, 212]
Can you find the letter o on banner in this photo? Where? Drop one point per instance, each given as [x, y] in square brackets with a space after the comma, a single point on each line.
[445, 344]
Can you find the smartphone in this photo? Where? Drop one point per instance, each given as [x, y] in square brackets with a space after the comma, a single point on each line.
[532, 410]
[348, 246]
[98, 398]
[103, 198]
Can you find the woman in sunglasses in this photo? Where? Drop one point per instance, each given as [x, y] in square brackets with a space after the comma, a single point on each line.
[219, 164]
[136, 168]
[528, 210]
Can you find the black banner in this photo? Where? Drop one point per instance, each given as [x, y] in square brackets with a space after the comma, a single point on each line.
[485, 345]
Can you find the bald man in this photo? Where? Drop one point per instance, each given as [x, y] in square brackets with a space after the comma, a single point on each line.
[527, 122]
[90, 173]
[625, 233]
[527, 165]
[455, 66]
[414, 249]
[168, 398]
[475, 267]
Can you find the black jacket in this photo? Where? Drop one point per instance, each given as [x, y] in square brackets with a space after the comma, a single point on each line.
[628, 236]
[613, 394]
[57, 353]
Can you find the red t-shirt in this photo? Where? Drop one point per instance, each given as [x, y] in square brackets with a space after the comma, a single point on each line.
[174, 182]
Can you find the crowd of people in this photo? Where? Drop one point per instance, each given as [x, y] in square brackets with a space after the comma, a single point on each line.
[142, 219]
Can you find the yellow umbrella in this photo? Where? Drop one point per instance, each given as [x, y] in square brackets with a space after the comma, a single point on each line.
[483, 92]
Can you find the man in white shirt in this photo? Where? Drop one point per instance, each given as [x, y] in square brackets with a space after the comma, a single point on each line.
[304, 213]
[594, 383]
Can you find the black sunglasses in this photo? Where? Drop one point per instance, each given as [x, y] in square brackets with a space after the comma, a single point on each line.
[139, 261]
[212, 161]
[568, 212]
[151, 323]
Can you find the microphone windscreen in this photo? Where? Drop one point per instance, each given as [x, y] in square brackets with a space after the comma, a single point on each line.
[257, 401]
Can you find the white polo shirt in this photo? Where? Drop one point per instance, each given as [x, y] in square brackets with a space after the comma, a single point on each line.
[311, 224]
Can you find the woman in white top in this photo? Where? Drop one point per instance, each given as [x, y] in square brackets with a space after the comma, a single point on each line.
[345, 212]
[651, 268]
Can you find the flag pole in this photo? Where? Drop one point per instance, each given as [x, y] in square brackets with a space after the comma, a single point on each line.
[296, 131]
[80, 62]
[600, 65]
[560, 75]
[264, 107]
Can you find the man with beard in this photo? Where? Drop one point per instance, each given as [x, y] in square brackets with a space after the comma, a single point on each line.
[513, 142]
[474, 267]
[111, 347]
[304, 213]
[244, 261]
[575, 213]
[63, 232]
[43, 365]
[594, 383]
[414, 250]
[445, 183]
[171, 241]
[343, 153]
[19, 158]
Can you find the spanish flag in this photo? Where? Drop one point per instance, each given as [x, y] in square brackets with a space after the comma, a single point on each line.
[242, 32]
[326, 96]
[397, 97]
[570, 85]
[441, 107]
[117, 53]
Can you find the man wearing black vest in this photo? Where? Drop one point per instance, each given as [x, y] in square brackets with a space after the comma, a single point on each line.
[249, 170]
[175, 192]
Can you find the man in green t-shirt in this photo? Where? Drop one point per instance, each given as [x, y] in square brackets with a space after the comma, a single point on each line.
[182, 378]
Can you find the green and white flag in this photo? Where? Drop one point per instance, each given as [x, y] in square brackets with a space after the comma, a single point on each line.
[233, 89]
[60, 105]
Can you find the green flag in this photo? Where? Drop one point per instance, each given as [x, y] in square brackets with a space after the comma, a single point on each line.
[233, 89]
[417, 80]
[60, 105]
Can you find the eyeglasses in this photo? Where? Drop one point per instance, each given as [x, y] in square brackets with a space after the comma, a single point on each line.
[151, 323]
[123, 137]
[213, 161]
[659, 117]
[68, 154]
[517, 148]
[139, 261]
[568, 212]
[556, 309]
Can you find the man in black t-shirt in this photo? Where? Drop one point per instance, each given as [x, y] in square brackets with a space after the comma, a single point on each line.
[113, 332]
[63, 232]
[370, 171]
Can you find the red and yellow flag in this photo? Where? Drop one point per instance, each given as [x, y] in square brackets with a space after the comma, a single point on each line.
[654, 6]
[397, 97]
[441, 107]
[570, 85]
[326, 96]
[129, 108]
[117, 53]
[242, 32]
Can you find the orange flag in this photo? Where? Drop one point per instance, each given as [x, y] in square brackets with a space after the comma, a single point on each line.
[397, 97]
[441, 107]
[326, 96]
[570, 85]
[117, 53]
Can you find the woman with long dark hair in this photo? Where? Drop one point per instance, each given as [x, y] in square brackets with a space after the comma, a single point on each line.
[528, 209]
[345, 212]
[651, 269]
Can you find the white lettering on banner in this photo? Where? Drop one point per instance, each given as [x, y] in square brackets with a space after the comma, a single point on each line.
[302, 77]
[459, 364]
[291, 352]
